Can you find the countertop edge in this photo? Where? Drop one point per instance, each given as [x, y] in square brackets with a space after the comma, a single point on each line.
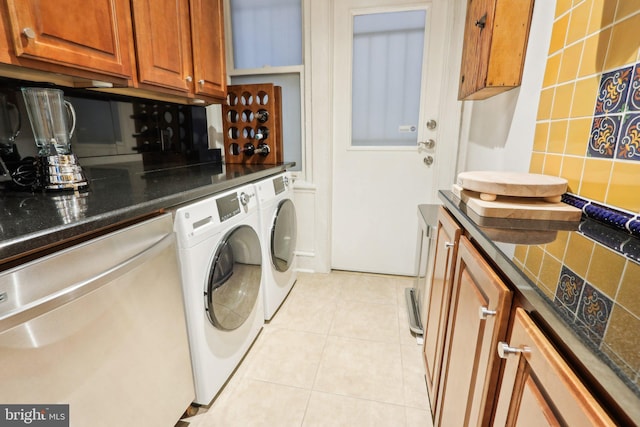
[601, 373]
[14, 248]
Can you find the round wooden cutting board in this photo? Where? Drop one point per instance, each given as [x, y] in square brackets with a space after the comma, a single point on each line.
[517, 184]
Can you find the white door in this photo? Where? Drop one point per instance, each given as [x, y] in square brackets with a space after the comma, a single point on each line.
[380, 171]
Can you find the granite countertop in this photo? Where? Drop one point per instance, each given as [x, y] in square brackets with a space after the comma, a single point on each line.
[117, 193]
[579, 281]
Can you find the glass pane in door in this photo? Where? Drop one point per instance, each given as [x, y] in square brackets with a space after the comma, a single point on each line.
[387, 71]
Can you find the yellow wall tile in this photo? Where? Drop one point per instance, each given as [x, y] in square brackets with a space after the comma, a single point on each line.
[540, 137]
[558, 246]
[602, 14]
[534, 260]
[558, 34]
[552, 164]
[562, 6]
[625, 39]
[578, 136]
[605, 270]
[626, 8]
[622, 336]
[594, 52]
[536, 163]
[546, 101]
[520, 253]
[595, 179]
[578, 22]
[551, 71]
[629, 293]
[550, 272]
[584, 99]
[624, 189]
[562, 101]
[578, 254]
[572, 171]
[557, 136]
[570, 61]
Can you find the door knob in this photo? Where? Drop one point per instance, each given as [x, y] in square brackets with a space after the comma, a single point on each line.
[29, 33]
[428, 144]
[428, 160]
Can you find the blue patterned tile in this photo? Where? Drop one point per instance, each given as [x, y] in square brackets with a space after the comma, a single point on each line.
[629, 141]
[612, 93]
[604, 136]
[594, 310]
[633, 103]
[568, 290]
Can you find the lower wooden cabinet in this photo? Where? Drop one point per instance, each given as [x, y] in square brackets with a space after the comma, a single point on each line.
[437, 300]
[478, 317]
[538, 387]
[486, 362]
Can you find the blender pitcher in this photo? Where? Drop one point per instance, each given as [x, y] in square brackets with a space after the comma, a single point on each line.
[49, 120]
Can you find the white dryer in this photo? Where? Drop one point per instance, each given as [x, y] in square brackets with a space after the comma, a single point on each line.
[220, 254]
[279, 234]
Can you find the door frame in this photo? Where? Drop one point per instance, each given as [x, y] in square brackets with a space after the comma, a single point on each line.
[446, 152]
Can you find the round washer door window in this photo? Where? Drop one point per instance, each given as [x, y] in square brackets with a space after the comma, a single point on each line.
[234, 279]
[283, 236]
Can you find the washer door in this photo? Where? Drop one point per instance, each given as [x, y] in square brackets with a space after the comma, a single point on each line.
[233, 287]
[283, 236]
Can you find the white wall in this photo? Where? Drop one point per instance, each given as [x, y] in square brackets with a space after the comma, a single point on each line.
[497, 133]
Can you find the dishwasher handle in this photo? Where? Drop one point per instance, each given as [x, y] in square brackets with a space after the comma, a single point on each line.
[54, 300]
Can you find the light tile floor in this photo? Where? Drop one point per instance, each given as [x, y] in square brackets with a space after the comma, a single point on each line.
[338, 353]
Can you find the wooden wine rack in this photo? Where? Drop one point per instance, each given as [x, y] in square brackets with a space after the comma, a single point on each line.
[240, 115]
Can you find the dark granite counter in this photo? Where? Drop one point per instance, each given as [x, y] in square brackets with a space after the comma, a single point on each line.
[581, 283]
[117, 193]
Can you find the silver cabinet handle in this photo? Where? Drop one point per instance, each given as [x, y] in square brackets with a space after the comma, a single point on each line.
[504, 350]
[29, 33]
[189, 79]
[201, 82]
[484, 312]
[448, 245]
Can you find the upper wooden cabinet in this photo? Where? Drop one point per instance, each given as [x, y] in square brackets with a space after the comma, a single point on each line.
[495, 41]
[180, 46]
[92, 37]
[538, 387]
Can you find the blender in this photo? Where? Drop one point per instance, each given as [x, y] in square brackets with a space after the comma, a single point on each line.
[50, 115]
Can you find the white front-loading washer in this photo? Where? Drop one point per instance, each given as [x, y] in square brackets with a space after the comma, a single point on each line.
[220, 256]
[279, 234]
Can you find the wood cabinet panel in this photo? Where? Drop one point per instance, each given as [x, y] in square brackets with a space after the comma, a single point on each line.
[437, 300]
[538, 386]
[495, 41]
[209, 64]
[93, 36]
[471, 365]
[162, 34]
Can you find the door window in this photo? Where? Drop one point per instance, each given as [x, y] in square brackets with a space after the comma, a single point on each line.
[387, 71]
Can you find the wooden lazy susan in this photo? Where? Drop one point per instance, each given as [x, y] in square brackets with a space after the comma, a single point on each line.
[515, 195]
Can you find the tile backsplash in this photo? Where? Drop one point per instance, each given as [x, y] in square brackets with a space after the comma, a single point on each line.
[588, 122]
[588, 131]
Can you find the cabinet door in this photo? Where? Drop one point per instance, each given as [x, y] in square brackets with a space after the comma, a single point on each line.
[87, 35]
[478, 317]
[437, 298]
[538, 387]
[207, 34]
[475, 50]
[163, 43]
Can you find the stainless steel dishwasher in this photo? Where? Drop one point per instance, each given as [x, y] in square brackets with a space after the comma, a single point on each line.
[99, 326]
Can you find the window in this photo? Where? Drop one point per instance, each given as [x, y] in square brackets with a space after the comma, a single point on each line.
[266, 43]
